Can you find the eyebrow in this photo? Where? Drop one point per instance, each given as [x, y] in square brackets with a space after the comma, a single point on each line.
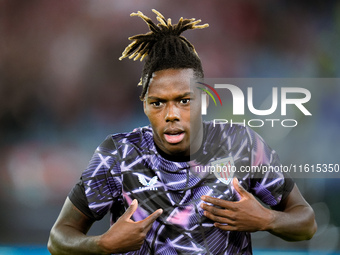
[178, 97]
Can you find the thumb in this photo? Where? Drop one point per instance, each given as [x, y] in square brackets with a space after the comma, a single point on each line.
[131, 210]
[239, 188]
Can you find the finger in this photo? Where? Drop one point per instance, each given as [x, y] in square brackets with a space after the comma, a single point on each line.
[218, 219]
[224, 227]
[219, 202]
[239, 188]
[215, 211]
[152, 217]
[131, 210]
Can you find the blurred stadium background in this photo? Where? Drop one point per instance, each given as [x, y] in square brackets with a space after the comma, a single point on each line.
[63, 89]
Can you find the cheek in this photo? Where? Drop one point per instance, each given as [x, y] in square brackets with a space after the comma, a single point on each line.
[148, 112]
[195, 122]
[154, 118]
[195, 113]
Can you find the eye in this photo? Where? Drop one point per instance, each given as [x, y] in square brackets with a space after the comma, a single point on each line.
[156, 104]
[185, 101]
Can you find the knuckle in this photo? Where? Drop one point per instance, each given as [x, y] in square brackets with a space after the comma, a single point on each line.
[214, 218]
[232, 216]
[213, 210]
[142, 236]
[215, 201]
[140, 228]
[219, 219]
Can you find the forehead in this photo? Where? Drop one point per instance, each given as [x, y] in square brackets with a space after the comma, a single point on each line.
[170, 81]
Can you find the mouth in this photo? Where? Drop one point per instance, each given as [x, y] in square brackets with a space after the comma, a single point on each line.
[174, 136]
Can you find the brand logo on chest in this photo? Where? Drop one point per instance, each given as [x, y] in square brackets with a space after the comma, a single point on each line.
[148, 185]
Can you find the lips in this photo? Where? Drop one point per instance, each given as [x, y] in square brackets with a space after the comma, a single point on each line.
[174, 136]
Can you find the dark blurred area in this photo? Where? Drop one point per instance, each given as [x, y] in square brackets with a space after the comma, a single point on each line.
[63, 90]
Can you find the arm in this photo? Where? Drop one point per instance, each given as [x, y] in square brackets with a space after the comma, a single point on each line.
[292, 220]
[68, 235]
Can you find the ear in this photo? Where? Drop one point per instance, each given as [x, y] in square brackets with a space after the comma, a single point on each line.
[144, 106]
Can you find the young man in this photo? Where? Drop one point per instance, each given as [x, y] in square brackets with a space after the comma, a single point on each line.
[146, 178]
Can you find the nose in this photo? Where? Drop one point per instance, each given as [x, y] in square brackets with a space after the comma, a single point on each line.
[172, 113]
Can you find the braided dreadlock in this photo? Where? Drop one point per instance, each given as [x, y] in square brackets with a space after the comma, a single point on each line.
[164, 47]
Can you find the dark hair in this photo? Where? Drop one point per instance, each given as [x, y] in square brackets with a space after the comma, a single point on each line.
[163, 47]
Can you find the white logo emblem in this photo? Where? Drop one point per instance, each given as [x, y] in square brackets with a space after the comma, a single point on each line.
[148, 185]
[224, 169]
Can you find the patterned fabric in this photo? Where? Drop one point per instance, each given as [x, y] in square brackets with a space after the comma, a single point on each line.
[128, 166]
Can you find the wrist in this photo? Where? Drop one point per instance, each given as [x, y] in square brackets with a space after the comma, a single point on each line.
[269, 224]
[101, 243]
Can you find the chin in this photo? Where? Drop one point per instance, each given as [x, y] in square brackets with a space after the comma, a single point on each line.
[181, 152]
